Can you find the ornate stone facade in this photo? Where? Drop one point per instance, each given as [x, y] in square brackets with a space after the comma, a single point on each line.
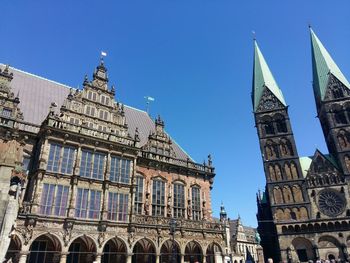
[99, 189]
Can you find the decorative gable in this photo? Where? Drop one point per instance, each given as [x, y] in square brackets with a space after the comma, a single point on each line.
[269, 102]
[93, 110]
[9, 110]
[159, 144]
[335, 89]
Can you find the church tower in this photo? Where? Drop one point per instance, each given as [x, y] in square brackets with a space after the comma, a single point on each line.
[332, 95]
[285, 192]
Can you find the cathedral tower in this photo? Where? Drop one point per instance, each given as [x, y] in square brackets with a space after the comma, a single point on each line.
[284, 189]
[332, 95]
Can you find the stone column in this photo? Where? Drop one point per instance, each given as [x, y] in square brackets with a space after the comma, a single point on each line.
[98, 258]
[157, 258]
[129, 258]
[182, 258]
[23, 256]
[204, 258]
[63, 258]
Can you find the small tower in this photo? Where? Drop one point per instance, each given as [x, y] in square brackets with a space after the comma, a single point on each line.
[332, 96]
[223, 214]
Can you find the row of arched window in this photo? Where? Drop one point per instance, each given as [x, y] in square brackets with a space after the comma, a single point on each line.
[294, 213]
[273, 125]
[325, 179]
[289, 172]
[274, 150]
[287, 194]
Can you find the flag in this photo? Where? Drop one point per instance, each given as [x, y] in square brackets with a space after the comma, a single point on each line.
[103, 54]
[149, 98]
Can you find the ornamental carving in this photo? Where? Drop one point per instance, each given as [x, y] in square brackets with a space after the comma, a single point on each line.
[331, 202]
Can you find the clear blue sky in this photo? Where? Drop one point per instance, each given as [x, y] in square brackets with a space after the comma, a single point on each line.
[195, 58]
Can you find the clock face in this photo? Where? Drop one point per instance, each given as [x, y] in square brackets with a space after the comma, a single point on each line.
[269, 104]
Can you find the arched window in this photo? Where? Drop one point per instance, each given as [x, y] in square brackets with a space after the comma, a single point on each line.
[138, 194]
[267, 125]
[158, 198]
[287, 194]
[277, 193]
[340, 117]
[179, 200]
[196, 203]
[281, 124]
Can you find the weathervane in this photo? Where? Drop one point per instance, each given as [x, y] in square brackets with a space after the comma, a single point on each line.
[148, 100]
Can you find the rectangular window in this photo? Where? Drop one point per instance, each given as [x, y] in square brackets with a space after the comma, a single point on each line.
[120, 170]
[54, 200]
[138, 195]
[88, 203]
[61, 159]
[92, 165]
[196, 203]
[158, 198]
[179, 200]
[117, 206]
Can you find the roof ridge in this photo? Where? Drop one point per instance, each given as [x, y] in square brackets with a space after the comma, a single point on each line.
[39, 77]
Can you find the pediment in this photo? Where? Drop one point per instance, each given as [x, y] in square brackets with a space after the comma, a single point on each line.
[269, 102]
[321, 164]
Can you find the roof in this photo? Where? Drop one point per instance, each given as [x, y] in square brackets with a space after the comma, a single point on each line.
[248, 231]
[305, 163]
[263, 78]
[37, 93]
[322, 65]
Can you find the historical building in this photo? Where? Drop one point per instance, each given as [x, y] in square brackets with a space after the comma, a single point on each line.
[94, 180]
[244, 241]
[304, 213]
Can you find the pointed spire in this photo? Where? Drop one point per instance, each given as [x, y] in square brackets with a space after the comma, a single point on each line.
[322, 66]
[263, 78]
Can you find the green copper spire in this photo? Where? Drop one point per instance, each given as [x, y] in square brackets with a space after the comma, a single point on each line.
[263, 78]
[322, 65]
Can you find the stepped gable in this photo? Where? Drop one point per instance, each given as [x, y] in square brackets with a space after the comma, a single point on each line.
[37, 94]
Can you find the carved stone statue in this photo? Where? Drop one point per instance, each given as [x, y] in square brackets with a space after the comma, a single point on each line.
[189, 209]
[146, 205]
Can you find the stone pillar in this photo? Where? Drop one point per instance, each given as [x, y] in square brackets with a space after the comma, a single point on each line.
[182, 258]
[63, 258]
[157, 258]
[98, 258]
[23, 256]
[129, 258]
[204, 258]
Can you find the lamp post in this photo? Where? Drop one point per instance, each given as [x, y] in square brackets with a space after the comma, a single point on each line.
[172, 225]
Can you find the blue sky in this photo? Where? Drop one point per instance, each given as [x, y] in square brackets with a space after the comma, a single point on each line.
[195, 58]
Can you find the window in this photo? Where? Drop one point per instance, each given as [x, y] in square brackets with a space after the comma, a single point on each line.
[60, 159]
[117, 206]
[90, 111]
[196, 203]
[92, 96]
[104, 100]
[54, 200]
[88, 203]
[269, 129]
[179, 200]
[158, 198]
[92, 165]
[120, 170]
[340, 117]
[138, 195]
[281, 125]
[6, 112]
[38, 252]
[74, 121]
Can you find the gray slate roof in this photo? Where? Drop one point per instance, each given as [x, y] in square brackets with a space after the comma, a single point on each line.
[37, 93]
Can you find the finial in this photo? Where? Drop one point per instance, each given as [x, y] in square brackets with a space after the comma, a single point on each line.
[136, 137]
[310, 26]
[86, 80]
[210, 162]
[254, 35]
